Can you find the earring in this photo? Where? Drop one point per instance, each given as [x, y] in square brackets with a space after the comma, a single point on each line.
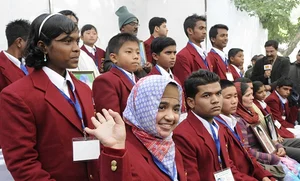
[45, 58]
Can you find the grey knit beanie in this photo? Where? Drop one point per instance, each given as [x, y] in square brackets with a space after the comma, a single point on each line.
[125, 17]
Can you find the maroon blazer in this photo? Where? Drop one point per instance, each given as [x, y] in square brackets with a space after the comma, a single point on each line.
[111, 90]
[218, 64]
[135, 163]
[155, 71]
[9, 72]
[199, 150]
[188, 60]
[283, 132]
[291, 113]
[235, 74]
[98, 58]
[147, 45]
[37, 125]
[243, 161]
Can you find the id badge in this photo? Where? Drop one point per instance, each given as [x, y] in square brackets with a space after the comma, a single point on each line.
[277, 124]
[229, 76]
[224, 175]
[85, 149]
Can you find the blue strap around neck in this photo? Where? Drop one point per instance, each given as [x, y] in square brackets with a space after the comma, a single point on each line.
[225, 61]
[231, 130]
[133, 83]
[203, 58]
[217, 142]
[24, 69]
[163, 168]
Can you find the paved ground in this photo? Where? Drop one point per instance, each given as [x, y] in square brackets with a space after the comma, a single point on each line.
[4, 173]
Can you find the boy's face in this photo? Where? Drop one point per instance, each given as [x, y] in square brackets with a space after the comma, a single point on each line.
[162, 30]
[238, 59]
[166, 58]
[90, 37]
[128, 57]
[284, 91]
[208, 101]
[221, 39]
[199, 31]
[230, 100]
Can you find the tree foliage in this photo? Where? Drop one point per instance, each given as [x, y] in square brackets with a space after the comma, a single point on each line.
[274, 16]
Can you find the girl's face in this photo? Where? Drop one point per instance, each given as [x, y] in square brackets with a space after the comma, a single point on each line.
[63, 52]
[260, 94]
[90, 37]
[247, 99]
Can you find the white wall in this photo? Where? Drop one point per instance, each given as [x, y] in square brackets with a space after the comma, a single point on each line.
[244, 32]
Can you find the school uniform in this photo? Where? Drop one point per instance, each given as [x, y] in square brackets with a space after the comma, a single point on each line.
[237, 153]
[217, 58]
[135, 162]
[278, 108]
[10, 70]
[235, 71]
[111, 89]
[147, 45]
[189, 60]
[97, 54]
[199, 150]
[37, 125]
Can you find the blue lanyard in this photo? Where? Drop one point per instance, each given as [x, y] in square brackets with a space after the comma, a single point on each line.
[282, 107]
[203, 58]
[163, 168]
[232, 131]
[76, 105]
[125, 74]
[225, 61]
[24, 69]
[217, 142]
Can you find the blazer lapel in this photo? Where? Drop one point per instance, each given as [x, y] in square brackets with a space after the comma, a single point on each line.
[55, 98]
[197, 58]
[7, 66]
[127, 82]
[275, 67]
[87, 52]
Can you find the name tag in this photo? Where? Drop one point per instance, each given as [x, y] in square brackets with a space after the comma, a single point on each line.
[277, 124]
[85, 149]
[229, 76]
[224, 175]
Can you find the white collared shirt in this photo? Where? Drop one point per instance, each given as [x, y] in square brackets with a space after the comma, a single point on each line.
[129, 74]
[230, 120]
[202, 52]
[92, 50]
[206, 124]
[283, 100]
[237, 69]
[164, 73]
[262, 103]
[14, 60]
[220, 53]
[59, 81]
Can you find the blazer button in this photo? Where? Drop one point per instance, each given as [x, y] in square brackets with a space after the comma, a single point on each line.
[113, 168]
[91, 177]
[113, 163]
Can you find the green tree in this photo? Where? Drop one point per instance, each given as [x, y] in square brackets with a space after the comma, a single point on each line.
[275, 17]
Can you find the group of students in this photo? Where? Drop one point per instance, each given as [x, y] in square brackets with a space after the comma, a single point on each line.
[48, 125]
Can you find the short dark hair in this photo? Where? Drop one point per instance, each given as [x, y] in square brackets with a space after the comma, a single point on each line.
[213, 32]
[17, 29]
[190, 22]
[284, 81]
[116, 42]
[87, 27]
[52, 28]
[69, 13]
[198, 78]
[256, 86]
[156, 21]
[272, 43]
[233, 52]
[160, 43]
[243, 79]
[226, 83]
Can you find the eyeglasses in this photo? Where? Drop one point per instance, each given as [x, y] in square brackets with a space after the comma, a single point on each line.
[133, 24]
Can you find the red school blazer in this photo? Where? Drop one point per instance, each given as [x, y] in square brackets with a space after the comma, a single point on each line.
[9, 72]
[199, 150]
[111, 90]
[37, 125]
[218, 64]
[235, 74]
[99, 56]
[274, 103]
[283, 132]
[188, 60]
[147, 45]
[243, 161]
[135, 163]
